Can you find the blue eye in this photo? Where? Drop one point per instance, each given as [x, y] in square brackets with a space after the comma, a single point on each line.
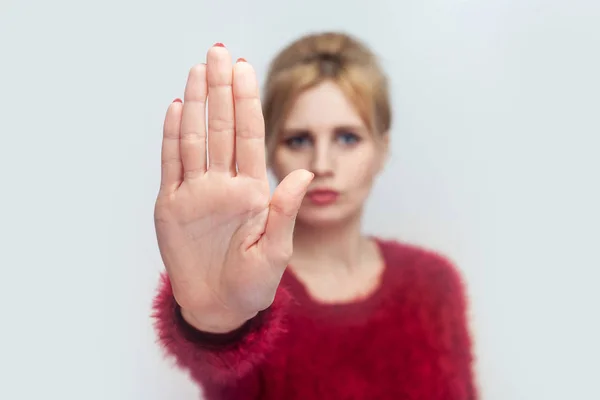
[297, 141]
[348, 138]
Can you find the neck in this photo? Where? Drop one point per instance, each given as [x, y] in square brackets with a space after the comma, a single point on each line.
[341, 247]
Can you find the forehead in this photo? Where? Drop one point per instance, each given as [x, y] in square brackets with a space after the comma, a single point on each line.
[321, 107]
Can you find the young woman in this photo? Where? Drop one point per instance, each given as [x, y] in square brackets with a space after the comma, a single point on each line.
[282, 296]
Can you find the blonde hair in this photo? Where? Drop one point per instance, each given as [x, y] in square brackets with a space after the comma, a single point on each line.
[318, 57]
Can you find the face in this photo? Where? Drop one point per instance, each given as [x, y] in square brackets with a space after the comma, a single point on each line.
[325, 135]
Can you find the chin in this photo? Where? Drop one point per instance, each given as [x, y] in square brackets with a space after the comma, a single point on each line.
[323, 217]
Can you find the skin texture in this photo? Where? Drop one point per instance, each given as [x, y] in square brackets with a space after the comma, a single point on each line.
[224, 241]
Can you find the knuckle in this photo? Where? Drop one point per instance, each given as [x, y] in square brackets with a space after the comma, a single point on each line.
[283, 211]
[252, 126]
[191, 135]
[248, 96]
[167, 162]
[247, 132]
[220, 124]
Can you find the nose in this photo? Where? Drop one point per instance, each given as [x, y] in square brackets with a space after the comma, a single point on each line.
[322, 159]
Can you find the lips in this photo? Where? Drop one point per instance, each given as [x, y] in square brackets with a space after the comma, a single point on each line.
[322, 196]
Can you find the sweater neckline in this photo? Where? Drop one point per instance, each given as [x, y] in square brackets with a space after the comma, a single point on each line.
[345, 309]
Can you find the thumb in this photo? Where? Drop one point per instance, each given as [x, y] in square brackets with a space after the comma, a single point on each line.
[283, 210]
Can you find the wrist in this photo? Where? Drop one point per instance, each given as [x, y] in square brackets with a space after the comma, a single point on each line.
[221, 323]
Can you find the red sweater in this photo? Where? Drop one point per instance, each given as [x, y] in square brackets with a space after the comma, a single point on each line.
[408, 340]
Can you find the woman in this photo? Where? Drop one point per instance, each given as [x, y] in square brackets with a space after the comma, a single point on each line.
[343, 315]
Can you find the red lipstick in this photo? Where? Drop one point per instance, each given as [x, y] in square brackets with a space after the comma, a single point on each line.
[322, 197]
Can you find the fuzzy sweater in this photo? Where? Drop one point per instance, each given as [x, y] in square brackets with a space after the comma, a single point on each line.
[408, 340]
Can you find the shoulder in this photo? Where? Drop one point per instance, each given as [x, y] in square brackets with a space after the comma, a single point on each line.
[421, 272]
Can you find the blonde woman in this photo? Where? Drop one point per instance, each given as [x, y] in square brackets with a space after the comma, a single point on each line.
[283, 296]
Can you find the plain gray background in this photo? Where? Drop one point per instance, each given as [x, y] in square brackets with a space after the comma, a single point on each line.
[495, 163]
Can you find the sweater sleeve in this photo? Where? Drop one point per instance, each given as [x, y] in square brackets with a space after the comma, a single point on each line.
[223, 365]
[443, 355]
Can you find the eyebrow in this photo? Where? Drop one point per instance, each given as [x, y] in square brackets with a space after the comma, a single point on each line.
[352, 128]
[336, 129]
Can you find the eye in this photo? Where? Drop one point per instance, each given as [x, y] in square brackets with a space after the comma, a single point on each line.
[348, 138]
[298, 141]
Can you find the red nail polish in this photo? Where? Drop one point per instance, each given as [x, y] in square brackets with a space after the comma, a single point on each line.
[219, 44]
[241, 60]
[178, 100]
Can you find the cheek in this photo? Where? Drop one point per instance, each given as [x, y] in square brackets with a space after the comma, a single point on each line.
[282, 163]
[361, 170]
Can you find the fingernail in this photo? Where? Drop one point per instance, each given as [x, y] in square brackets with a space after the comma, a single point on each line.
[177, 100]
[219, 44]
[241, 60]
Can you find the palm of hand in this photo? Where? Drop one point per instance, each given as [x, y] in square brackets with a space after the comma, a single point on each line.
[224, 242]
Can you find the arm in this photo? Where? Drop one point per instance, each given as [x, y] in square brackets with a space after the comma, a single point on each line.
[224, 365]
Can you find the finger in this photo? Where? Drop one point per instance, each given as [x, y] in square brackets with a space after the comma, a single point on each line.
[193, 123]
[249, 122]
[171, 167]
[283, 209]
[221, 124]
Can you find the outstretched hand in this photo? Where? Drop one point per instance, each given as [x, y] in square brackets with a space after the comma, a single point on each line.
[224, 241]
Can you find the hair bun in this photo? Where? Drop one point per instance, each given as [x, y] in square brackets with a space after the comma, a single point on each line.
[325, 56]
[330, 57]
[329, 62]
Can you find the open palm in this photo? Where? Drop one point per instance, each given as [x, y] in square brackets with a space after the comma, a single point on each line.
[224, 241]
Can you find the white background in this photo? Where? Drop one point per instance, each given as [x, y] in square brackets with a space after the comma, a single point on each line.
[495, 162]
